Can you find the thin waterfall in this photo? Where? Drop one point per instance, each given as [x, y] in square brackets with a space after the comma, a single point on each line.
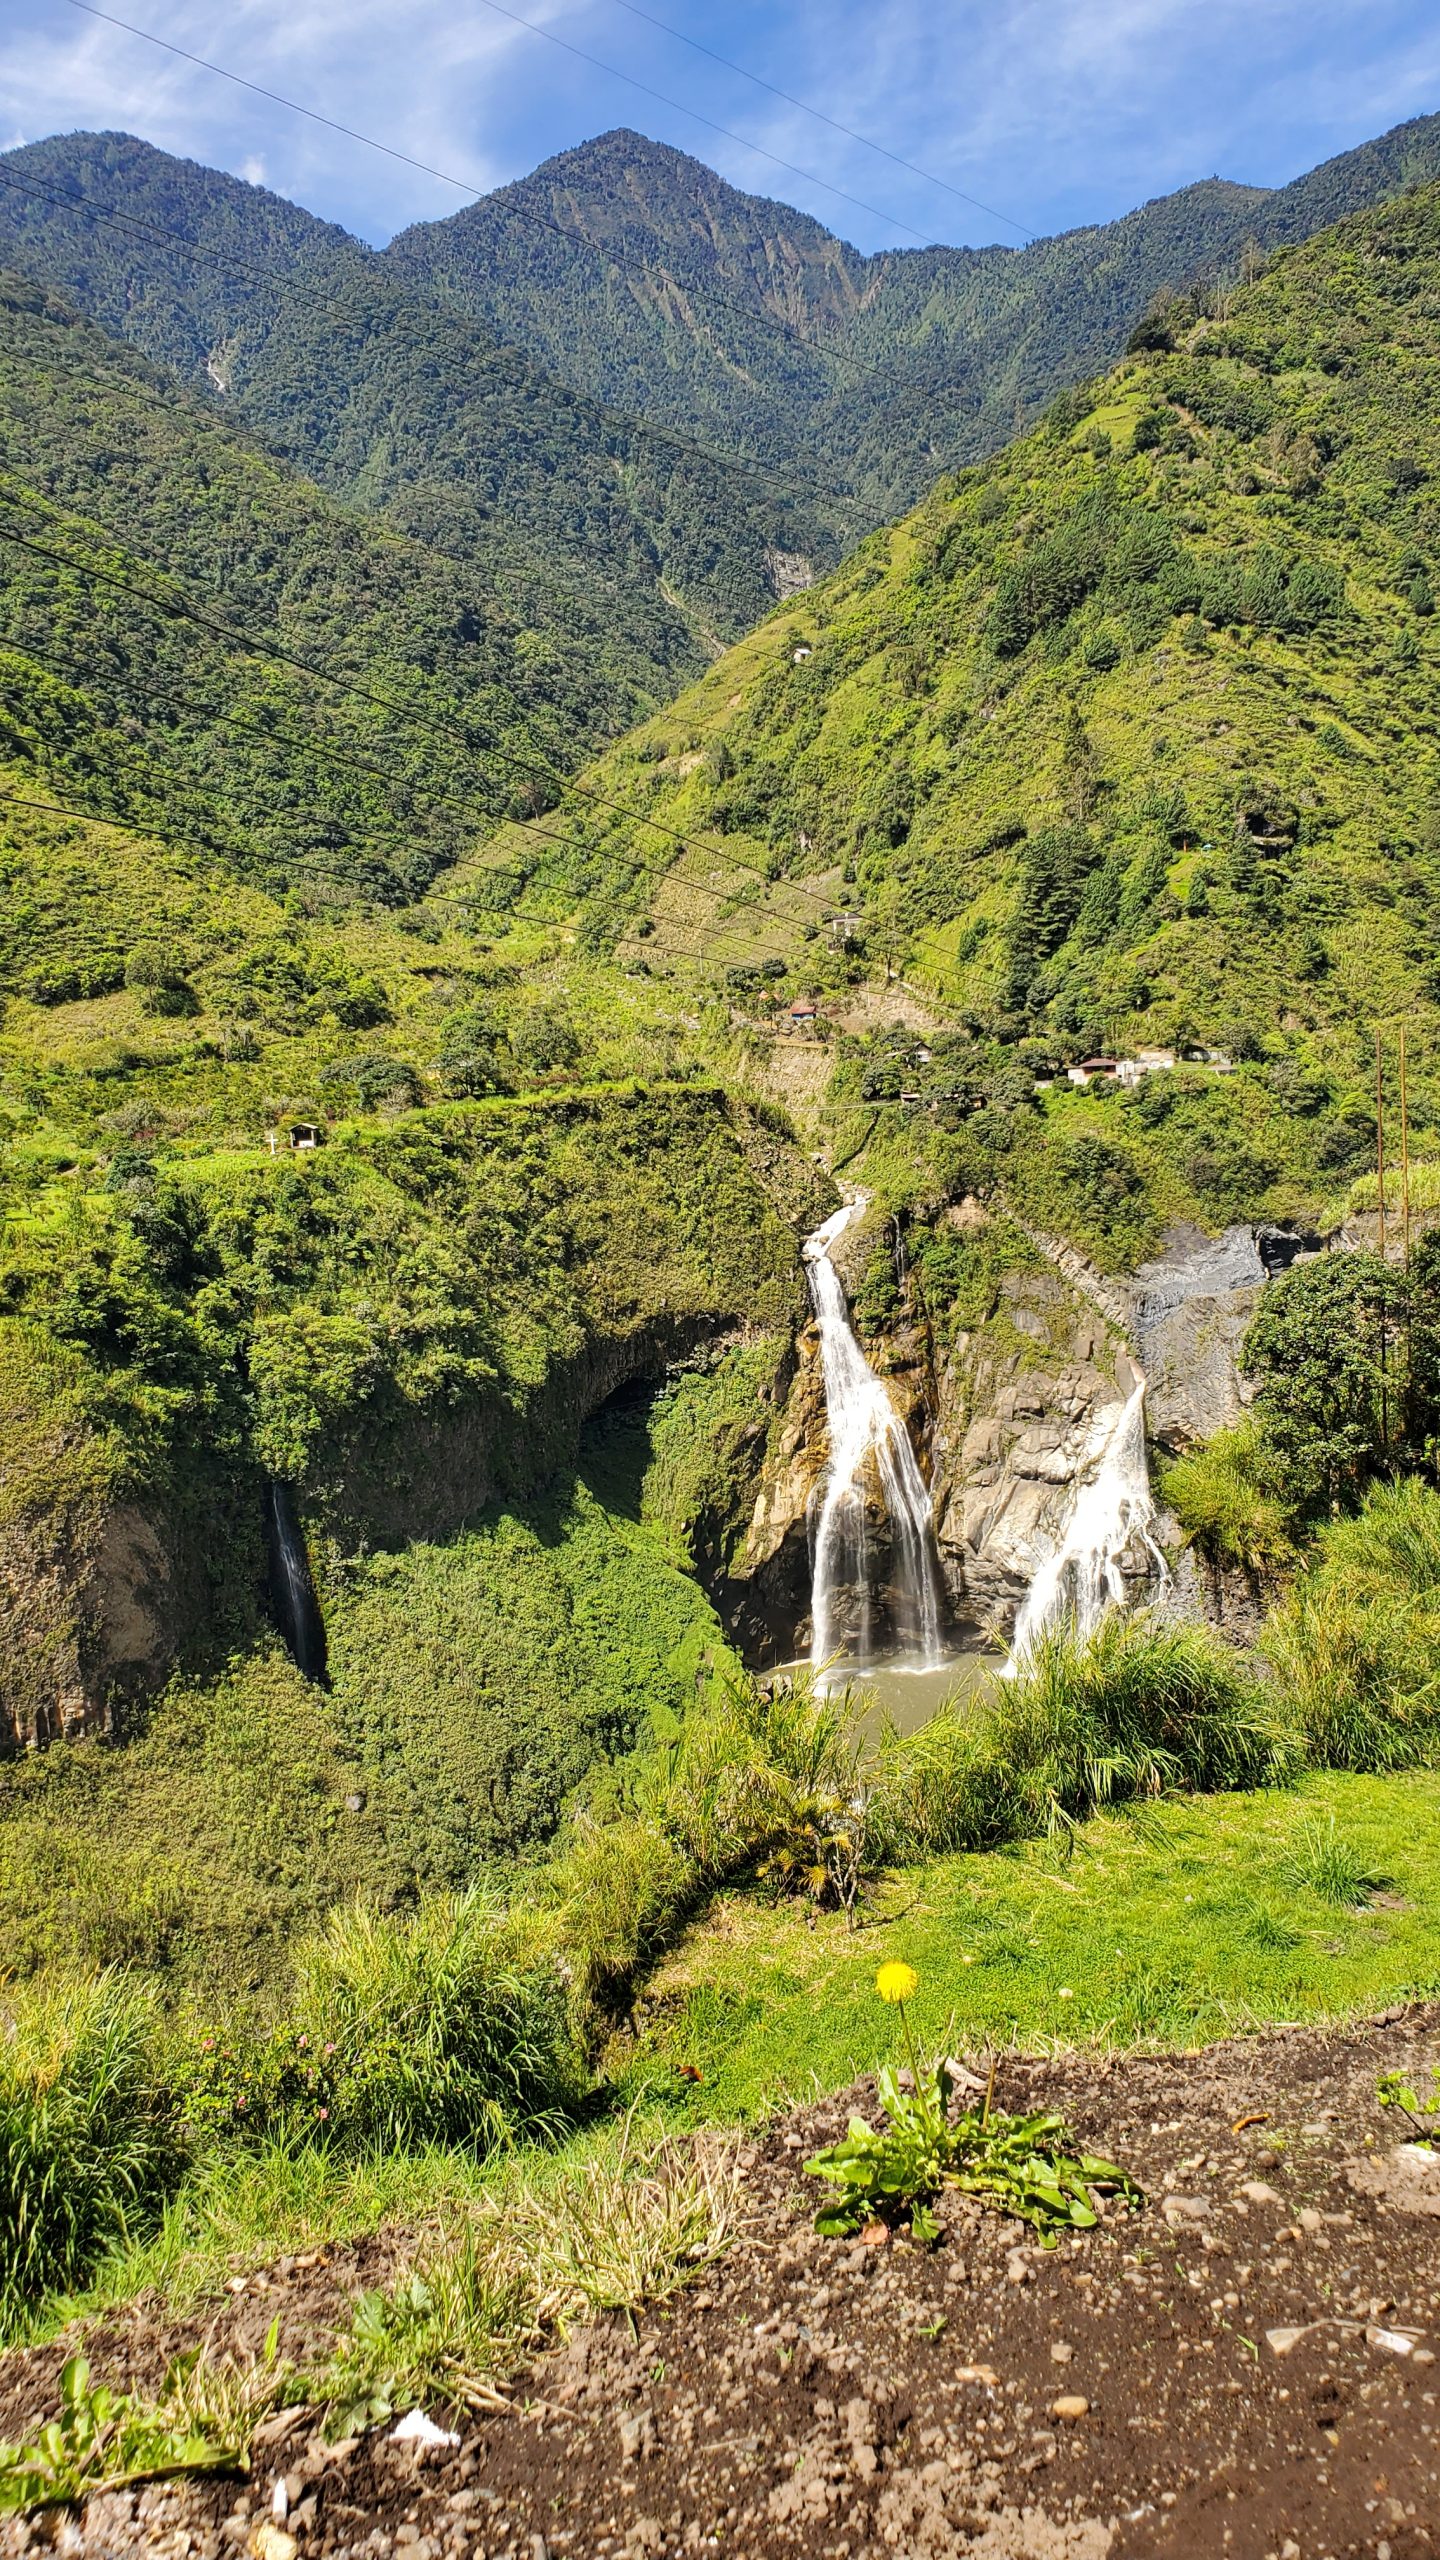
[292, 1588]
[1111, 1506]
[864, 1426]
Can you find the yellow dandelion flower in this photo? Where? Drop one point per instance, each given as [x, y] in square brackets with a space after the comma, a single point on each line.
[896, 1982]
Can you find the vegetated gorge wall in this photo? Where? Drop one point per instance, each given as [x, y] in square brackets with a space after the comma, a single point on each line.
[1007, 1412]
[102, 1591]
[106, 1586]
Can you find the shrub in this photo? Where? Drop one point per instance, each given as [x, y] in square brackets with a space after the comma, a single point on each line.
[767, 1781]
[437, 2027]
[1356, 1645]
[1226, 1499]
[89, 2141]
[1326, 1348]
[758, 1783]
[1141, 1705]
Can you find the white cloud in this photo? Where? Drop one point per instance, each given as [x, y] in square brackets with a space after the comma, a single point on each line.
[1055, 111]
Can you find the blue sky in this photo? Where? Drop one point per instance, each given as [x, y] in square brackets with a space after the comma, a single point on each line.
[1055, 112]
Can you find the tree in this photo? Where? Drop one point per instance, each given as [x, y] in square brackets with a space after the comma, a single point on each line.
[1328, 1347]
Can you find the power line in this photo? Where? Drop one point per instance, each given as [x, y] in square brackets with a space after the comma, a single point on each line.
[422, 794]
[260, 647]
[71, 671]
[415, 716]
[642, 88]
[158, 835]
[533, 826]
[866, 140]
[616, 422]
[467, 187]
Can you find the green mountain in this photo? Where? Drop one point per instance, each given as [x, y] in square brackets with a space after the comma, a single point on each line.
[636, 274]
[1125, 738]
[523, 1192]
[143, 534]
[483, 383]
[643, 550]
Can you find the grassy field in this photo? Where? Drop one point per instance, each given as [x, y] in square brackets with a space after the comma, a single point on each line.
[1166, 1926]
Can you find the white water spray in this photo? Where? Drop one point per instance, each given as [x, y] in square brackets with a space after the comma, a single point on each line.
[864, 1425]
[1111, 1505]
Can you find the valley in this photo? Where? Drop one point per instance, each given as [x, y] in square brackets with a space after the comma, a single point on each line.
[720, 1266]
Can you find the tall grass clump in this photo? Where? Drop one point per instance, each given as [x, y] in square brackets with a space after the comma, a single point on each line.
[446, 2025]
[1141, 1705]
[947, 1787]
[1356, 1643]
[1227, 1500]
[90, 2144]
[760, 1782]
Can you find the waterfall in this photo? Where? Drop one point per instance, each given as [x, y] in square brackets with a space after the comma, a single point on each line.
[292, 1590]
[1111, 1505]
[864, 1425]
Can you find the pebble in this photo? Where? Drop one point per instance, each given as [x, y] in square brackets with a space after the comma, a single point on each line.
[270, 2541]
[1256, 2192]
[1060, 2353]
[1071, 2404]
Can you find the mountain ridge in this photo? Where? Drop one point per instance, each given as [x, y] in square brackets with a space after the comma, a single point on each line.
[944, 350]
[403, 409]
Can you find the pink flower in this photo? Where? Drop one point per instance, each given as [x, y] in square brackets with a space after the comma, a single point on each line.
[324, 2111]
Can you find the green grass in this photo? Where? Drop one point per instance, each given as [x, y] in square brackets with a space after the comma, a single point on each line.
[1227, 1502]
[1169, 1927]
[89, 2139]
[1165, 1927]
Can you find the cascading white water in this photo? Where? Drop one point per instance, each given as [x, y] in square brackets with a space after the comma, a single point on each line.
[1111, 1505]
[864, 1425]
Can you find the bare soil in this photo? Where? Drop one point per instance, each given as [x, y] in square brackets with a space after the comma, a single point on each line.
[1244, 2369]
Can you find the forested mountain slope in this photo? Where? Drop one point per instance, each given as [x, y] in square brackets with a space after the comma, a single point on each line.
[1127, 736]
[582, 526]
[301, 720]
[144, 536]
[483, 381]
[676, 296]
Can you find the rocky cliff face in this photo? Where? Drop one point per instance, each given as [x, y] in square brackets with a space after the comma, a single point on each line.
[1007, 1412]
[1021, 1401]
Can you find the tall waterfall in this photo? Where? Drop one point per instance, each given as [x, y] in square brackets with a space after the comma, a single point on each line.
[292, 1589]
[1111, 1505]
[864, 1426]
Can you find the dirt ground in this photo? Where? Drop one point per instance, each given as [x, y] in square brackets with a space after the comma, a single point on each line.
[1244, 2369]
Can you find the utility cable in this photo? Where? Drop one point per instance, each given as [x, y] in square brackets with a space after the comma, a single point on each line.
[643, 89]
[306, 866]
[476, 195]
[419, 792]
[416, 717]
[617, 422]
[866, 140]
[175, 607]
[594, 62]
